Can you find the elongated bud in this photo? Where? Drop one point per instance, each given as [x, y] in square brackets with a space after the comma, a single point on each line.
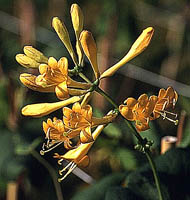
[27, 62]
[138, 47]
[42, 109]
[77, 18]
[35, 54]
[89, 48]
[63, 34]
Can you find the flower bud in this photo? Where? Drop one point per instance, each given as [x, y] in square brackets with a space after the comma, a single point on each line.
[42, 109]
[27, 62]
[35, 54]
[138, 47]
[89, 48]
[63, 34]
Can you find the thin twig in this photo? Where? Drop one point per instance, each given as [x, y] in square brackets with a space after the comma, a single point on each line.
[52, 173]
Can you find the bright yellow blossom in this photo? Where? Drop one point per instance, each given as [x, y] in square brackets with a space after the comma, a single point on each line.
[139, 110]
[77, 156]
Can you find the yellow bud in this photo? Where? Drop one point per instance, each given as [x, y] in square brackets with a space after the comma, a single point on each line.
[35, 54]
[90, 50]
[77, 18]
[138, 47]
[42, 109]
[27, 62]
[63, 34]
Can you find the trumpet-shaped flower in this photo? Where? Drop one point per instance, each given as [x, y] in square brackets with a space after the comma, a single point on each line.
[81, 119]
[139, 110]
[77, 156]
[54, 78]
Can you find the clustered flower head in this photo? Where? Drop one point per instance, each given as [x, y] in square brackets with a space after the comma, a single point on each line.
[78, 129]
[145, 109]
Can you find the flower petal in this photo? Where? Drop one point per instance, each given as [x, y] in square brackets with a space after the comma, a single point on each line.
[62, 91]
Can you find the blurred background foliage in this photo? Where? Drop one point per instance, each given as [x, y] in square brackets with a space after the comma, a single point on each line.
[115, 25]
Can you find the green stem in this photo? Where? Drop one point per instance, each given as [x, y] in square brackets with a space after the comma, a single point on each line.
[156, 178]
[52, 173]
[100, 91]
[141, 141]
[84, 78]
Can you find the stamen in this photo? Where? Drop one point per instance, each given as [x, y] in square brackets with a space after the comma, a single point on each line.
[42, 152]
[171, 120]
[171, 113]
[60, 161]
[62, 170]
[69, 171]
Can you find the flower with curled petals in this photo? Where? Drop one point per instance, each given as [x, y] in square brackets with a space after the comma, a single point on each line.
[166, 99]
[77, 156]
[54, 77]
[80, 118]
[139, 110]
[56, 134]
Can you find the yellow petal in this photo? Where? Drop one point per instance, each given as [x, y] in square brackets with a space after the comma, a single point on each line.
[86, 99]
[130, 102]
[29, 80]
[61, 91]
[86, 135]
[89, 48]
[35, 54]
[126, 112]
[43, 68]
[42, 109]
[52, 62]
[63, 34]
[138, 47]
[27, 62]
[63, 65]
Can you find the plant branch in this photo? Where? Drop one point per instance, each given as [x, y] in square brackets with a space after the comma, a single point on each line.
[51, 171]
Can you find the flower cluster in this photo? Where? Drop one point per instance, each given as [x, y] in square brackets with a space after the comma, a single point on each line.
[78, 129]
[146, 109]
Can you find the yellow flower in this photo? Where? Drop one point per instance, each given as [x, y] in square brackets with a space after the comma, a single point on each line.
[54, 78]
[138, 47]
[56, 134]
[139, 110]
[77, 156]
[166, 99]
[81, 119]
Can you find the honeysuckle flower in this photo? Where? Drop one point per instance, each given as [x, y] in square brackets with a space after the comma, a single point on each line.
[56, 134]
[81, 119]
[166, 99]
[42, 109]
[54, 78]
[90, 50]
[77, 156]
[138, 47]
[139, 110]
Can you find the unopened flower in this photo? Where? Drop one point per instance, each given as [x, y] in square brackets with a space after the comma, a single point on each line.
[139, 110]
[90, 50]
[26, 61]
[166, 99]
[138, 47]
[42, 109]
[77, 156]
